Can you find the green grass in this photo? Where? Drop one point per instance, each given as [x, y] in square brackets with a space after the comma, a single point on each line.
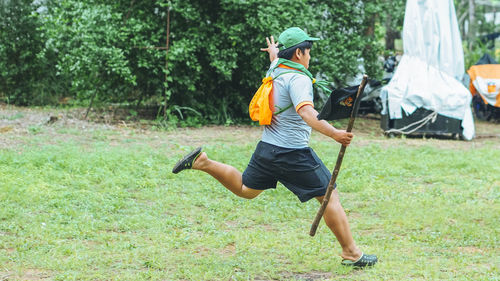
[12, 117]
[108, 208]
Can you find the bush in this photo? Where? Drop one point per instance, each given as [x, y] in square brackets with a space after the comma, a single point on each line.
[20, 68]
[102, 49]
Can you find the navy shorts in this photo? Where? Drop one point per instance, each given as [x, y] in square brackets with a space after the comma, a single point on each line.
[300, 170]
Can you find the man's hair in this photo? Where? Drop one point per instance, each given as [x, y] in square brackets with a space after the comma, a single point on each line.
[288, 53]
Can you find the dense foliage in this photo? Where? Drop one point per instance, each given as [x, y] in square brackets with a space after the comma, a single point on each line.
[20, 67]
[59, 51]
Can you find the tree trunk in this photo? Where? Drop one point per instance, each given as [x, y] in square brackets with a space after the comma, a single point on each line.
[390, 34]
[471, 34]
[461, 17]
[90, 105]
[93, 96]
[370, 26]
[166, 65]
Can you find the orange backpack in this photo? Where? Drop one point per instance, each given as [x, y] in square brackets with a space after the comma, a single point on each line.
[261, 106]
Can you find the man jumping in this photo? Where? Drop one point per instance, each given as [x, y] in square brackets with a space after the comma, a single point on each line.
[283, 154]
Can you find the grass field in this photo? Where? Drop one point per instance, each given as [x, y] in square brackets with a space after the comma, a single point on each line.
[85, 201]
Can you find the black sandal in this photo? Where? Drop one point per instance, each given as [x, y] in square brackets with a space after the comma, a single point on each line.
[187, 161]
[363, 261]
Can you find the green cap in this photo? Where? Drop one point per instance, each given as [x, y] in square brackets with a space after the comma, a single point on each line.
[293, 36]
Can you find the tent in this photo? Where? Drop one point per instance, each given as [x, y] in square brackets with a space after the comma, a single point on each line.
[425, 94]
[485, 87]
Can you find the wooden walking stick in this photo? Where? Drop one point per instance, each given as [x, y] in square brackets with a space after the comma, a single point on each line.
[335, 173]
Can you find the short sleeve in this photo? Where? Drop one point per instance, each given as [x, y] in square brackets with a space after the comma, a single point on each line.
[301, 91]
[271, 67]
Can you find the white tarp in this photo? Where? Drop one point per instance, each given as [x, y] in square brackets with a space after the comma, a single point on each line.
[429, 72]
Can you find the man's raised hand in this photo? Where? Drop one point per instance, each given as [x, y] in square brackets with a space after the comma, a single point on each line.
[272, 48]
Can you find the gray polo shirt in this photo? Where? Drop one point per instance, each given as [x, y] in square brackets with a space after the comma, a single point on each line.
[287, 129]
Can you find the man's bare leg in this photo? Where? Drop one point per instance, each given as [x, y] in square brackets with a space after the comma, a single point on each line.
[227, 175]
[336, 219]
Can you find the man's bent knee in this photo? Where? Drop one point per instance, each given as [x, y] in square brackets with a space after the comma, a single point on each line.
[249, 193]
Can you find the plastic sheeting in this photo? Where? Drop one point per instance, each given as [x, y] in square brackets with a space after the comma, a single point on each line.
[432, 66]
[485, 80]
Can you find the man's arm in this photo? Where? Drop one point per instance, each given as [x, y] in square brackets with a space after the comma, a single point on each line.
[309, 115]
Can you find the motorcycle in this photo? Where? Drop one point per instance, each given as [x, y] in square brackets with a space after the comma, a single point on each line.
[371, 102]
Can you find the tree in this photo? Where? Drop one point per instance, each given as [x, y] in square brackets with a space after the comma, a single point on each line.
[471, 35]
[94, 51]
[20, 68]
[393, 16]
[86, 36]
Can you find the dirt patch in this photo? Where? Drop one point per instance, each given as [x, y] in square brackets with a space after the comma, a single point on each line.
[29, 274]
[202, 251]
[305, 276]
[229, 250]
[19, 125]
[308, 276]
[470, 250]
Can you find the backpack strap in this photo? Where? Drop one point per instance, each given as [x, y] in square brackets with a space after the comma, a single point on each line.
[321, 84]
[260, 107]
[281, 110]
[296, 71]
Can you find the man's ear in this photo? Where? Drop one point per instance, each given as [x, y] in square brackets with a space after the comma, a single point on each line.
[298, 53]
